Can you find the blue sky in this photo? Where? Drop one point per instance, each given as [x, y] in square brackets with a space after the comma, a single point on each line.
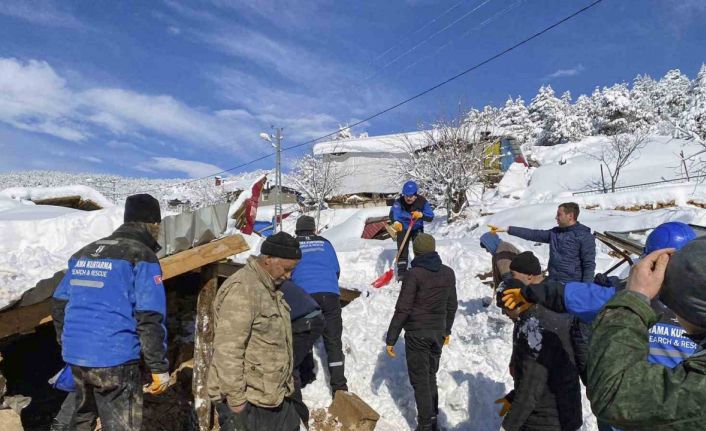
[183, 89]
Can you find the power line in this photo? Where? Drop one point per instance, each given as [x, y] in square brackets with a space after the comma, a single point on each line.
[405, 101]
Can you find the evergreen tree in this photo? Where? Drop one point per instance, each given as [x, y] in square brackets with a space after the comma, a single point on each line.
[547, 113]
[514, 120]
[672, 95]
[693, 120]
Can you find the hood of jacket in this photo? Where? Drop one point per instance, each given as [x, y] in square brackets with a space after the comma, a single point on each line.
[138, 233]
[430, 261]
[578, 227]
[490, 241]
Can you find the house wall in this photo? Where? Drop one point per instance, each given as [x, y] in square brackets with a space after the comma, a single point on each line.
[367, 172]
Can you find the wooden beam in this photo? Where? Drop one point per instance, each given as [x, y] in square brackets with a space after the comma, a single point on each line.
[25, 319]
[203, 346]
[202, 255]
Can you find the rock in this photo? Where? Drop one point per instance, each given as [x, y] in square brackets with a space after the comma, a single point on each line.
[10, 421]
[353, 413]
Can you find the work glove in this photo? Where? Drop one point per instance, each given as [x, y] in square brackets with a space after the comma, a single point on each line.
[447, 340]
[513, 298]
[496, 229]
[505, 406]
[159, 384]
[397, 226]
[417, 215]
[391, 351]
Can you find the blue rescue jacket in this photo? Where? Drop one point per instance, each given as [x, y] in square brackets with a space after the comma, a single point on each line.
[318, 269]
[668, 344]
[402, 212]
[111, 306]
[572, 250]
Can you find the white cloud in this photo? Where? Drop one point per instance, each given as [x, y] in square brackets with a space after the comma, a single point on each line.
[561, 73]
[91, 159]
[42, 12]
[34, 97]
[192, 168]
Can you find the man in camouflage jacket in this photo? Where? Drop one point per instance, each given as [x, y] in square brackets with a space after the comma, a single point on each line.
[626, 390]
[250, 378]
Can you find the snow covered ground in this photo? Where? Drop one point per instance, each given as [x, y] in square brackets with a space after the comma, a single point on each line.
[37, 241]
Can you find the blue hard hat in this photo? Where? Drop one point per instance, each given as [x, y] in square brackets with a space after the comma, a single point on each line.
[673, 234]
[409, 188]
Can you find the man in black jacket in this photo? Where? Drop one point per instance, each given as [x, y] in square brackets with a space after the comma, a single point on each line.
[109, 311]
[425, 309]
[546, 394]
[307, 326]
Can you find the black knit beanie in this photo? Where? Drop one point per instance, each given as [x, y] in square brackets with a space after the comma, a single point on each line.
[526, 263]
[684, 286]
[306, 223]
[142, 208]
[281, 245]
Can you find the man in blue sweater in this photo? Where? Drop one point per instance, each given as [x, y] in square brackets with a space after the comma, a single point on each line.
[109, 310]
[317, 273]
[572, 248]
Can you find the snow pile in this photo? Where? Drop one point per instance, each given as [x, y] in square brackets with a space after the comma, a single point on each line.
[40, 193]
[35, 243]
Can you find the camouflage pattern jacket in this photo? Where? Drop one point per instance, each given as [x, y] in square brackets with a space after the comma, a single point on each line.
[252, 346]
[626, 390]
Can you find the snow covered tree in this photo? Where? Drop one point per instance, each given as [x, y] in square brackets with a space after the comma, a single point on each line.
[643, 97]
[317, 178]
[693, 119]
[483, 123]
[581, 124]
[615, 112]
[547, 113]
[621, 150]
[513, 119]
[449, 166]
[672, 95]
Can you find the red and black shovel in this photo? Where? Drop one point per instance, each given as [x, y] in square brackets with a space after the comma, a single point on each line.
[386, 277]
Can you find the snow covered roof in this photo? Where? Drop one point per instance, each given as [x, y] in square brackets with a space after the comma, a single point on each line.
[397, 143]
[42, 193]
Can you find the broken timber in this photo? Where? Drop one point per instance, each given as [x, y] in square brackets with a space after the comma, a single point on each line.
[25, 319]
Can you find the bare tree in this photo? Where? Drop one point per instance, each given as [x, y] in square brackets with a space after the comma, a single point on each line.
[318, 179]
[446, 162]
[621, 150]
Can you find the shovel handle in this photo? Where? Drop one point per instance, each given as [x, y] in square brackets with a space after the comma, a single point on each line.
[406, 236]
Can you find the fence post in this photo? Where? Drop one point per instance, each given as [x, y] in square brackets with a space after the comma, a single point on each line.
[603, 180]
[683, 162]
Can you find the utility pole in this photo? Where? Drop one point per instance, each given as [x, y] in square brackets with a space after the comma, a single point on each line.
[278, 181]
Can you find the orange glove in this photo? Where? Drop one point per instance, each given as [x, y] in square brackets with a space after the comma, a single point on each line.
[496, 229]
[505, 406]
[159, 384]
[391, 351]
[417, 215]
[447, 340]
[397, 226]
[512, 298]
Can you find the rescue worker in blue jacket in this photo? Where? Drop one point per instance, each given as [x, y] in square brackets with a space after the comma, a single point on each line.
[317, 273]
[669, 346]
[572, 248]
[409, 206]
[307, 326]
[108, 311]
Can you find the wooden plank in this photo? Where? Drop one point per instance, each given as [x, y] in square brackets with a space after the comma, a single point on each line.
[203, 347]
[202, 255]
[25, 319]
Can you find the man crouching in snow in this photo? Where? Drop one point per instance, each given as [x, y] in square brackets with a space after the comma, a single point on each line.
[425, 309]
[546, 394]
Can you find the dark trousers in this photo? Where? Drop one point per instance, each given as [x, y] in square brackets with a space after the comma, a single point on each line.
[114, 393]
[403, 261]
[330, 304]
[281, 418]
[62, 420]
[423, 349]
[305, 331]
